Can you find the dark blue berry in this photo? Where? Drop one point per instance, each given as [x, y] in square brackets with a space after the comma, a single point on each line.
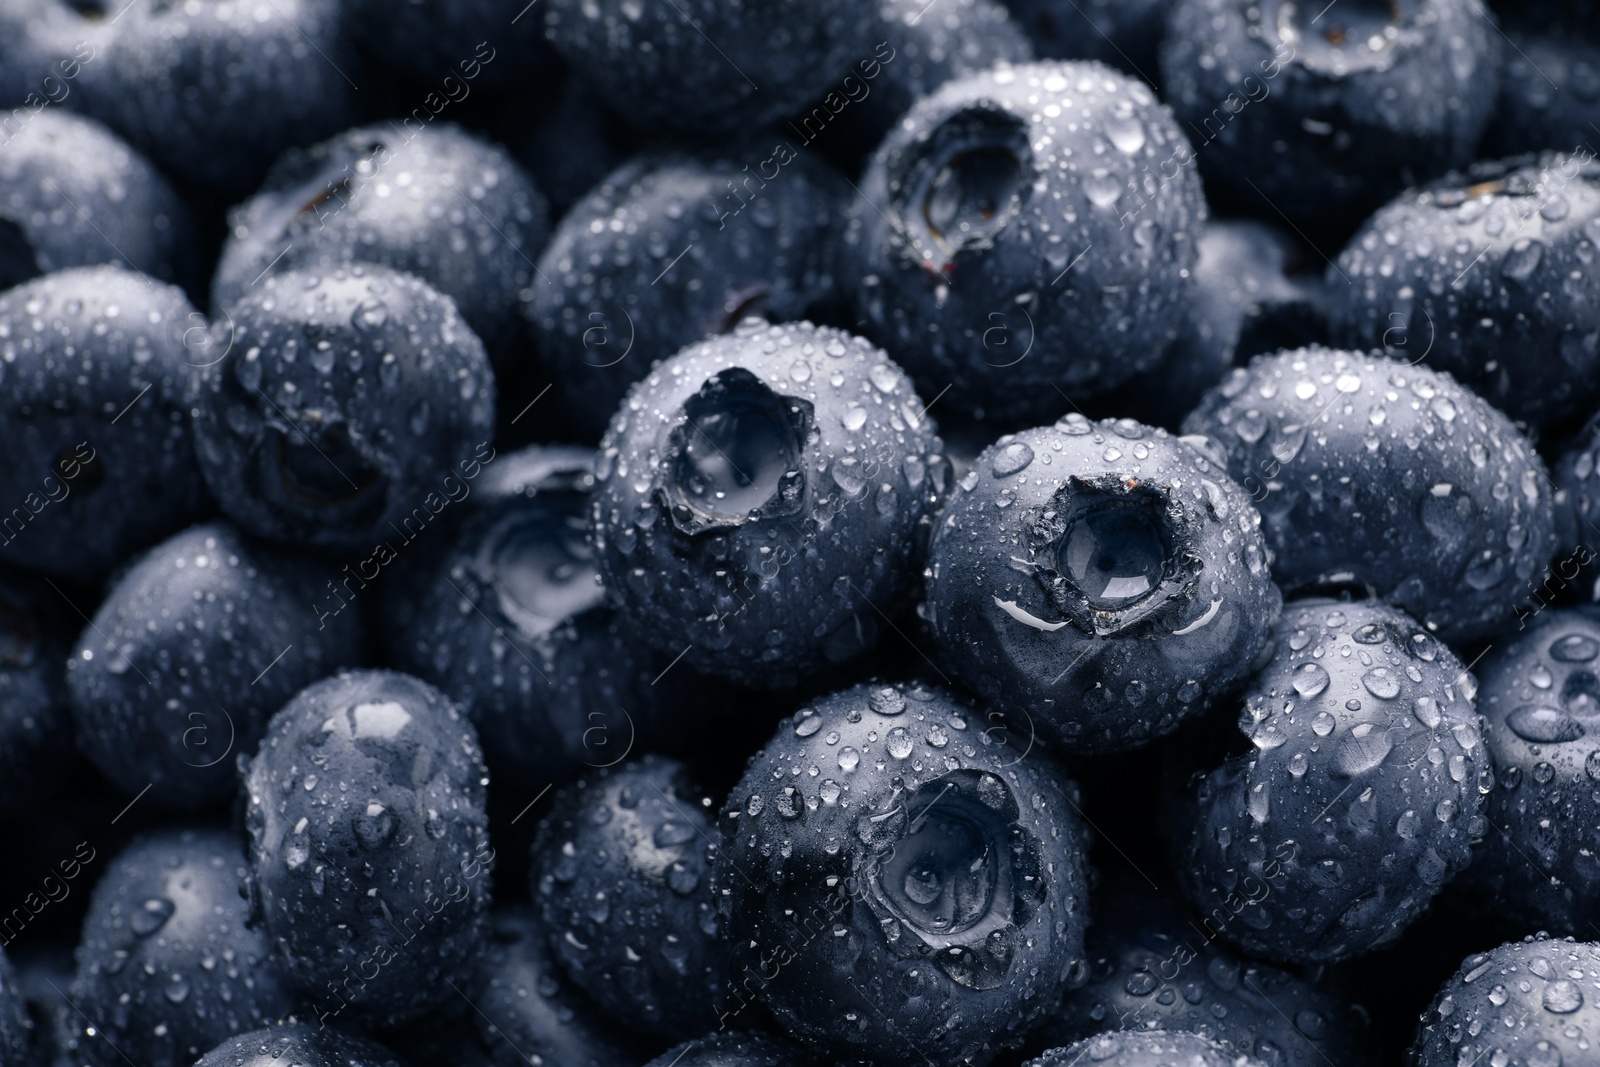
[1156, 1048]
[734, 1049]
[369, 849]
[1348, 794]
[926, 889]
[1104, 580]
[195, 647]
[300, 1044]
[341, 407]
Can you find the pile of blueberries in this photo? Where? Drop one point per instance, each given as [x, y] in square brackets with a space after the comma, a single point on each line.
[795, 533]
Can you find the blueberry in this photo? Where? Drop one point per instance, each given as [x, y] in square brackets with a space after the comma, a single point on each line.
[509, 620]
[1325, 114]
[433, 201]
[72, 194]
[1548, 88]
[301, 1044]
[341, 407]
[214, 91]
[16, 1026]
[94, 419]
[528, 1010]
[223, 624]
[460, 44]
[369, 849]
[927, 891]
[734, 1049]
[1355, 800]
[170, 965]
[1482, 264]
[1533, 1002]
[1372, 472]
[1155, 1048]
[1150, 969]
[622, 870]
[670, 250]
[1104, 579]
[1119, 33]
[1540, 698]
[1019, 248]
[704, 67]
[759, 497]
[35, 724]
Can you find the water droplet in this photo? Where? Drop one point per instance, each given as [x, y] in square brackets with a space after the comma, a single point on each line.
[1323, 723]
[151, 916]
[1012, 459]
[849, 758]
[1381, 684]
[1563, 997]
[1361, 750]
[1574, 648]
[1310, 680]
[810, 722]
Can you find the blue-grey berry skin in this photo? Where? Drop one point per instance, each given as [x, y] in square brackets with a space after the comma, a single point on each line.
[1149, 969]
[1119, 33]
[1372, 472]
[531, 1009]
[73, 194]
[1026, 249]
[36, 742]
[605, 306]
[339, 407]
[170, 964]
[213, 92]
[476, 44]
[195, 647]
[1156, 1048]
[1534, 1002]
[1538, 867]
[1104, 579]
[95, 395]
[761, 496]
[434, 201]
[735, 1048]
[16, 1025]
[708, 68]
[1488, 274]
[1357, 799]
[369, 846]
[1328, 115]
[929, 880]
[45, 44]
[301, 1044]
[622, 881]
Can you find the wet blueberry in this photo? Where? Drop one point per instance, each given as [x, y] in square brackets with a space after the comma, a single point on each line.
[1533, 1002]
[1368, 471]
[170, 964]
[1351, 798]
[1155, 1048]
[1023, 251]
[670, 250]
[340, 406]
[734, 1049]
[35, 722]
[369, 850]
[94, 419]
[1102, 579]
[759, 499]
[926, 885]
[434, 201]
[621, 870]
[197, 644]
[1486, 275]
[1323, 114]
[301, 1044]
[529, 1010]
[1540, 698]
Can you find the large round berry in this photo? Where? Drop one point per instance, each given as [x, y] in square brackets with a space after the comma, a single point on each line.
[734, 1049]
[1015, 243]
[198, 643]
[927, 880]
[1156, 1048]
[1534, 1002]
[1371, 472]
[621, 870]
[669, 250]
[341, 406]
[707, 67]
[170, 963]
[1323, 111]
[1540, 696]
[433, 201]
[1105, 579]
[369, 846]
[1346, 797]
[301, 1044]
[98, 379]
[759, 500]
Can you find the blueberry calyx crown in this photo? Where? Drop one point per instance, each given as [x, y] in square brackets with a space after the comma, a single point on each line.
[1112, 552]
[734, 455]
[316, 464]
[951, 876]
[1355, 35]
